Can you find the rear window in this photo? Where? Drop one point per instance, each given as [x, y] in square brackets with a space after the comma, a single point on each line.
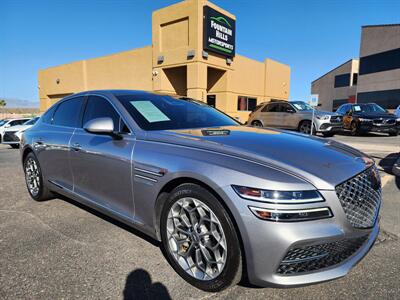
[67, 113]
[48, 115]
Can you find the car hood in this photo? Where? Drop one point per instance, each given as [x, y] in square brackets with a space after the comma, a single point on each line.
[375, 115]
[321, 162]
[18, 128]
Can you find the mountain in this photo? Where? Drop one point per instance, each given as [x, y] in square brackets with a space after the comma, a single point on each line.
[20, 103]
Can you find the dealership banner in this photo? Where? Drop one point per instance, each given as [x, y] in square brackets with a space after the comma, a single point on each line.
[219, 32]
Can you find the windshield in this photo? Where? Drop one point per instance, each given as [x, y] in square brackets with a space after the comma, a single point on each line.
[157, 112]
[368, 108]
[300, 105]
[2, 122]
[31, 121]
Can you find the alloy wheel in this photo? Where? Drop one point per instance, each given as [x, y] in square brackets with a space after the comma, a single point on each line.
[305, 128]
[353, 128]
[196, 239]
[32, 176]
[257, 124]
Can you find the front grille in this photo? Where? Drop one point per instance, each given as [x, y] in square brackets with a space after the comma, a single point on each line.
[9, 136]
[378, 121]
[312, 258]
[390, 121]
[336, 119]
[360, 197]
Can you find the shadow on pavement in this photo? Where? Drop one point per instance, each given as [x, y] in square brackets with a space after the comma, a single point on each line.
[139, 286]
[364, 134]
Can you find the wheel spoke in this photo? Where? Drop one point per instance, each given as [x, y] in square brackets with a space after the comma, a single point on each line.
[197, 240]
[32, 176]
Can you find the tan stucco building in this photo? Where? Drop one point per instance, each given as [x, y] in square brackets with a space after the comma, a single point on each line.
[338, 86]
[184, 59]
[374, 77]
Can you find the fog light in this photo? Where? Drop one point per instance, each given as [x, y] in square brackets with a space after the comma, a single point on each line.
[291, 215]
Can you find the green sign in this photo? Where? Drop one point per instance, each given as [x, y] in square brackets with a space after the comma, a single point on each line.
[219, 32]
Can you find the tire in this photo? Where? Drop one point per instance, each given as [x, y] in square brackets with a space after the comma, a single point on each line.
[14, 146]
[354, 129]
[328, 134]
[37, 189]
[394, 133]
[186, 195]
[305, 127]
[257, 123]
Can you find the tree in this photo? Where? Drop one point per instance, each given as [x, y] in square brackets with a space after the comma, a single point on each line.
[3, 103]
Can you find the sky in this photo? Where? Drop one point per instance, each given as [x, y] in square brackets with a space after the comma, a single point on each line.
[311, 36]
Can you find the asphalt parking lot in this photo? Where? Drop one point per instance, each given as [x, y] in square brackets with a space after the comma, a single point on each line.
[61, 250]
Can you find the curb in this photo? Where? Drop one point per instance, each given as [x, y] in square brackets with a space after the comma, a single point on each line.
[396, 167]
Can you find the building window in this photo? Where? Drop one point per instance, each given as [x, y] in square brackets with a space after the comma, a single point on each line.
[355, 78]
[246, 103]
[342, 80]
[338, 102]
[211, 100]
[388, 99]
[384, 61]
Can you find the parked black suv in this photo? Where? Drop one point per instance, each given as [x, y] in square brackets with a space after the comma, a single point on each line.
[366, 117]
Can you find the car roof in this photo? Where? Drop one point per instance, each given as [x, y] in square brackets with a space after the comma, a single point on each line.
[121, 92]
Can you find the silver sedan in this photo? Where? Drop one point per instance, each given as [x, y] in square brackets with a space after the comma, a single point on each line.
[223, 199]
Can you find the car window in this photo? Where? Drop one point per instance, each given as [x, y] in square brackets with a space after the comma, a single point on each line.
[48, 115]
[99, 107]
[341, 109]
[31, 121]
[284, 107]
[17, 122]
[258, 107]
[273, 107]
[67, 112]
[346, 109]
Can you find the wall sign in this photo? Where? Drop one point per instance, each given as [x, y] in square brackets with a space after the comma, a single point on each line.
[218, 32]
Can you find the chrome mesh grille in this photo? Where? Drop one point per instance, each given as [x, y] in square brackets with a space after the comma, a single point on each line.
[312, 258]
[360, 197]
[336, 119]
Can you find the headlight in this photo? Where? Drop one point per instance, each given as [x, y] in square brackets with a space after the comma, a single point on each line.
[322, 117]
[291, 215]
[278, 197]
[364, 120]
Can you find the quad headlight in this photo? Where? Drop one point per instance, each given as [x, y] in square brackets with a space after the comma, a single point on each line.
[324, 117]
[278, 197]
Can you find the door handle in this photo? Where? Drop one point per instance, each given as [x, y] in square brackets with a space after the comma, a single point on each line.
[76, 147]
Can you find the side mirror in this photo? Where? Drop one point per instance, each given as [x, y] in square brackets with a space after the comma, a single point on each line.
[101, 126]
[7, 126]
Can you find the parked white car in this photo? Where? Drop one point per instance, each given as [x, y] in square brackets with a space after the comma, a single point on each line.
[12, 135]
[7, 123]
[397, 111]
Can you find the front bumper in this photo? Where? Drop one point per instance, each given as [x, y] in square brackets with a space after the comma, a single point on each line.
[266, 244]
[327, 126]
[10, 138]
[378, 128]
